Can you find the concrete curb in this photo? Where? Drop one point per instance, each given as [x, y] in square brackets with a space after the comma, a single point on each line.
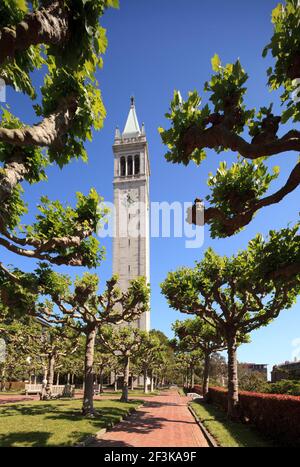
[88, 442]
[209, 438]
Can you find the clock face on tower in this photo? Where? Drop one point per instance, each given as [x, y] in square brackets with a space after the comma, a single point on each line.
[130, 197]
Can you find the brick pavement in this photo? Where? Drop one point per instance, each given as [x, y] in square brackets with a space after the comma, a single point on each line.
[163, 421]
[10, 398]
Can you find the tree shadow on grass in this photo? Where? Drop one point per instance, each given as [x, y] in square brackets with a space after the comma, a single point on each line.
[103, 417]
[26, 438]
[28, 409]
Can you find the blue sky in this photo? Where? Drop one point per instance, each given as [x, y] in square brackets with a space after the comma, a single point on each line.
[154, 48]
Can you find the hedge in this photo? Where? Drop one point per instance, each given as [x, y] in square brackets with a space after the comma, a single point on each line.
[14, 385]
[275, 415]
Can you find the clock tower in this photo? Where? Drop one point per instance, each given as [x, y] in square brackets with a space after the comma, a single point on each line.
[131, 256]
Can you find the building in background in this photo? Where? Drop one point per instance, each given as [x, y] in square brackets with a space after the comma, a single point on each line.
[261, 368]
[287, 370]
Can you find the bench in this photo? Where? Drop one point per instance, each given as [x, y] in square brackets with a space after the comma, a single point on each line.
[64, 390]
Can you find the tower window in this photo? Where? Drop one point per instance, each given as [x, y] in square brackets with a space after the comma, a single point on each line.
[136, 164]
[123, 167]
[130, 165]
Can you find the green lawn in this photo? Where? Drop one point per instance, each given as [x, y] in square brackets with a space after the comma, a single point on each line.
[225, 432]
[55, 423]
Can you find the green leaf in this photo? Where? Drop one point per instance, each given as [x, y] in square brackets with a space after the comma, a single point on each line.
[216, 62]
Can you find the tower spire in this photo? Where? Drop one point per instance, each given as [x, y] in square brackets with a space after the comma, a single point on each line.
[132, 127]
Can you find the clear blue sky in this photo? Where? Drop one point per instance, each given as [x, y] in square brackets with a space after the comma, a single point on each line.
[155, 47]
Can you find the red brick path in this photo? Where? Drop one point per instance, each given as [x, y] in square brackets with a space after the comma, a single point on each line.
[164, 421]
[10, 398]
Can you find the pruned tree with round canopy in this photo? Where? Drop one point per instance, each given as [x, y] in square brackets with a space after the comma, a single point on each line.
[87, 311]
[196, 334]
[238, 294]
[124, 342]
[148, 355]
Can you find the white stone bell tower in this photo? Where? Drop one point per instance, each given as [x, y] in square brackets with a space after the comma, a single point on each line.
[131, 256]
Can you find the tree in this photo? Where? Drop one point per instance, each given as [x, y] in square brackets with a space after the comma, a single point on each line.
[251, 380]
[162, 369]
[21, 356]
[239, 294]
[123, 342]
[237, 192]
[86, 311]
[103, 362]
[196, 334]
[54, 343]
[148, 355]
[64, 42]
[218, 370]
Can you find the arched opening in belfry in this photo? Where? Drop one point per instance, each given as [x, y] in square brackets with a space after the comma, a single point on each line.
[136, 164]
[123, 166]
[129, 165]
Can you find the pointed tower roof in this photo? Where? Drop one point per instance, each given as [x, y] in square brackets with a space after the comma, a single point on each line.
[132, 127]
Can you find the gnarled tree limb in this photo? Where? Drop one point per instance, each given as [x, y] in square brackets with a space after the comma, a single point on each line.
[49, 132]
[45, 26]
[71, 260]
[220, 135]
[241, 219]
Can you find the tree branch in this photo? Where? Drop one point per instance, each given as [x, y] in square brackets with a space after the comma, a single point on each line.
[45, 26]
[219, 135]
[46, 133]
[232, 224]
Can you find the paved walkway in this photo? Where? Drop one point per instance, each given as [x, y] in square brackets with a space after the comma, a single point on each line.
[10, 398]
[163, 421]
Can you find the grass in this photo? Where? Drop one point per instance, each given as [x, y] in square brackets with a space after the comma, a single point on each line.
[226, 432]
[56, 423]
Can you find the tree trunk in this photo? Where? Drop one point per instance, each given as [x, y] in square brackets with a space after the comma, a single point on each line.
[145, 380]
[3, 380]
[132, 381]
[68, 378]
[205, 385]
[151, 381]
[88, 395]
[101, 381]
[124, 397]
[72, 378]
[233, 395]
[192, 376]
[57, 379]
[116, 382]
[44, 383]
[50, 378]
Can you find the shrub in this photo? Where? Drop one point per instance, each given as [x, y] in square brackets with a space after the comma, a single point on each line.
[275, 415]
[197, 389]
[284, 387]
